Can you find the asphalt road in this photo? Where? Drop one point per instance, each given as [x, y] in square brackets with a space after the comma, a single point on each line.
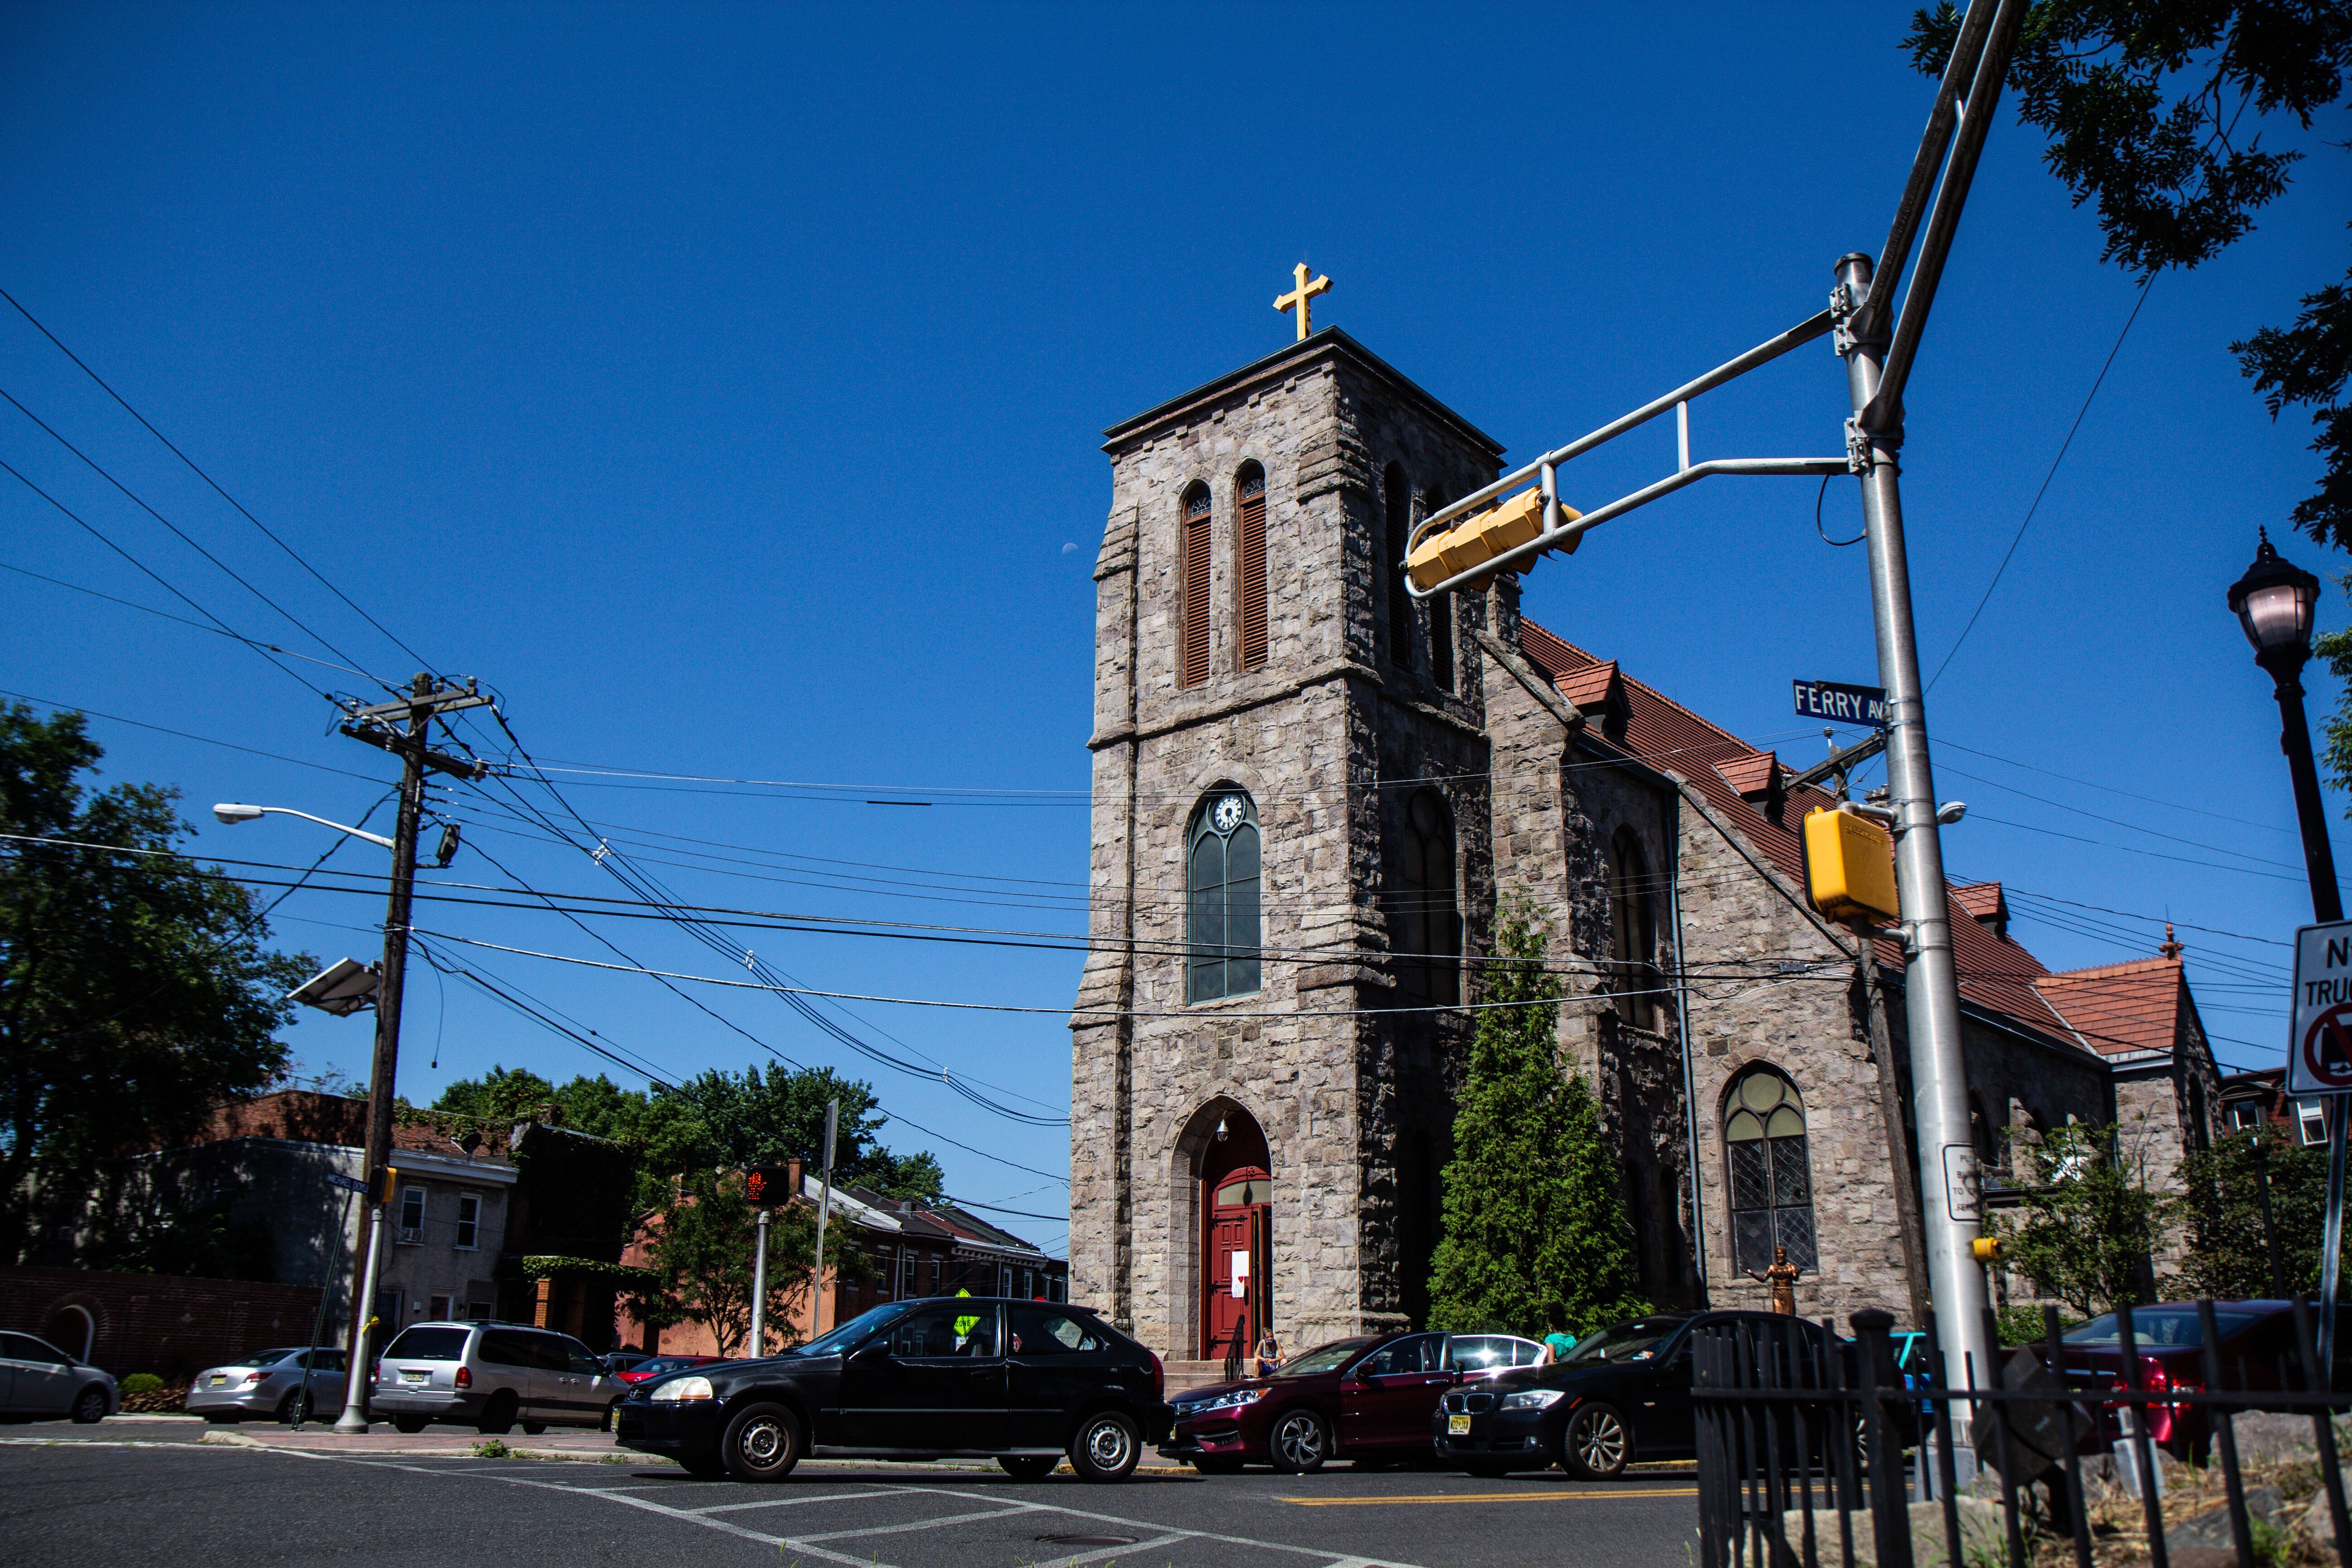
[123, 1503]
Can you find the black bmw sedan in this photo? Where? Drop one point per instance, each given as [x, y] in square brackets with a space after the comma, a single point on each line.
[1621, 1394]
[1023, 1383]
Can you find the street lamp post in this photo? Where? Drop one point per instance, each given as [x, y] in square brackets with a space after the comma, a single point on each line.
[2273, 602]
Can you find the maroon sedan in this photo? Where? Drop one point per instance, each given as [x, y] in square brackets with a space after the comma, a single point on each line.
[2257, 1351]
[1366, 1399]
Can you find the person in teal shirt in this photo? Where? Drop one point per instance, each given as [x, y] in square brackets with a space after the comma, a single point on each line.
[1559, 1343]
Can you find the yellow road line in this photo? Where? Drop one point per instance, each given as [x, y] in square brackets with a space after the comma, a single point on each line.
[1484, 1497]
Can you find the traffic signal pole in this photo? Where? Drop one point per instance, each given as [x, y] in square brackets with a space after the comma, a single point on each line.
[760, 1288]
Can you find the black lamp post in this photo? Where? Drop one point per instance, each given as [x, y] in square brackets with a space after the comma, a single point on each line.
[2274, 601]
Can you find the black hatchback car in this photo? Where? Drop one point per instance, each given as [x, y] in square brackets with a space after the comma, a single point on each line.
[1023, 1383]
[1621, 1394]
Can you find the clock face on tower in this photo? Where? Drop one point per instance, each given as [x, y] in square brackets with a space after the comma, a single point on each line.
[1226, 815]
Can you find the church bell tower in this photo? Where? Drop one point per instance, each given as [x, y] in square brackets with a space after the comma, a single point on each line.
[1290, 855]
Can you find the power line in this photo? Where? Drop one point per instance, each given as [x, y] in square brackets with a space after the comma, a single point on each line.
[184, 621]
[2028, 521]
[208, 479]
[184, 735]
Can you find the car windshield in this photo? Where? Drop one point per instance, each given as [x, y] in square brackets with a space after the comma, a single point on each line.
[849, 1334]
[1324, 1358]
[1635, 1340]
[264, 1358]
[665, 1363]
[2162, 1327]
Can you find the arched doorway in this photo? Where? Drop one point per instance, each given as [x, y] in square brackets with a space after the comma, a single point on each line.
[72, 1330]
[1236, 1235]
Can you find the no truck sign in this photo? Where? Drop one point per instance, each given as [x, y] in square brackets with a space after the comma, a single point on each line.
[2319, 1053]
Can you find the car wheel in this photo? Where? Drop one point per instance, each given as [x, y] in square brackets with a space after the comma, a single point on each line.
[294, 1407]
[1598, 1444]
[702, 1467]
[533, 1428]
[497, 1416]
[1028, 1467]
[411, 1424]
[89, 1406]
[1301, 1442]
[1218, 1467]
[762, 1443]
[1107, 1448]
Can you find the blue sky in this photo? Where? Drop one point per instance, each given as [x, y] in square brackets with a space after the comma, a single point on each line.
[722, 385]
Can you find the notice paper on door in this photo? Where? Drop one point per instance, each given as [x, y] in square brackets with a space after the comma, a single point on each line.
[1241, 1275]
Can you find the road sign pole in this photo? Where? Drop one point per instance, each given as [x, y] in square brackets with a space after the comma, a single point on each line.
[2332, 1242]
[354, 1415]
[760, 1288]
[824, 1207]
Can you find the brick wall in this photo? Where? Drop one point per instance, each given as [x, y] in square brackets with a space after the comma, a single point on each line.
[165, 1323]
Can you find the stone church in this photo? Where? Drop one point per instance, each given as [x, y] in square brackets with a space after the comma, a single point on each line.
[1310, 791]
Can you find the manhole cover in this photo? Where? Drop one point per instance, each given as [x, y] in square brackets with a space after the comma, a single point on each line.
[1089, 1540]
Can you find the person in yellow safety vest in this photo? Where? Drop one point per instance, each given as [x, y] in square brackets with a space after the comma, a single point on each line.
[965, 1326]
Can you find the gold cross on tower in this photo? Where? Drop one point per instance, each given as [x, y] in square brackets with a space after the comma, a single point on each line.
[1298, 296]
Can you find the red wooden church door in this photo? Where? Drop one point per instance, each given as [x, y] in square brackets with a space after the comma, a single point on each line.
[1236, 1239]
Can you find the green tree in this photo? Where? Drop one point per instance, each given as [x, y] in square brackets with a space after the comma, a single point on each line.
[707, 1234]
[2227, 1257]
[136, 990]
[2088, 1227]
[1535, 1235]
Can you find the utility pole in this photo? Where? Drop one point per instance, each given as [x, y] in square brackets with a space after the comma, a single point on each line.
[375, 726]
[1890, 1111]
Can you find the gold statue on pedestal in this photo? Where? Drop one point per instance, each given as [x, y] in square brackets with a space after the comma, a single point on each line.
[1782, 1278]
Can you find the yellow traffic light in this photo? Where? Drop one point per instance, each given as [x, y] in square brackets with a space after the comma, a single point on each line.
[1850, 865]
[1480, 539]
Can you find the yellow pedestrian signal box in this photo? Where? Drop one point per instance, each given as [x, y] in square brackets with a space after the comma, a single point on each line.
[1849, 866]
[1480, 539]
[387, 1183]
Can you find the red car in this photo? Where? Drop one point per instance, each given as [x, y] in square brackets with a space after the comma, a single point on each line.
[2257, 1351]
[1366, 1399]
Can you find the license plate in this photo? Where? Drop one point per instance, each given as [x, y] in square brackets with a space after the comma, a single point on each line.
[218, 1381]
[1457, 1425]
[409, 1375]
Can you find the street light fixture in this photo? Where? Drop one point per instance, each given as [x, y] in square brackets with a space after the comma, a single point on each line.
[2273, 602]
[231, 814]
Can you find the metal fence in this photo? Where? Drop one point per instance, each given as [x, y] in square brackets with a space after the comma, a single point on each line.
[1792, 1422]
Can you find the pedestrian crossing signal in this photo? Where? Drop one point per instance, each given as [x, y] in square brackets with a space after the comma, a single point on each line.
[768, 1185]
[1849, 866]
[387, 1183]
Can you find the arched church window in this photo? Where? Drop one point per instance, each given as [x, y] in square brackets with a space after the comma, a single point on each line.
[1249, 566]
[1441, 621]
[1772, 1172]
[1633, 932]
[1192, 591]
[1424, 927]
[1398, 495]
[1221, 896]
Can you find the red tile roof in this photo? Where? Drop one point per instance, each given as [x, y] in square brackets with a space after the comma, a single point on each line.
[1981, 900]
[1751, 775]
[1995, 972]
[2134, 1006]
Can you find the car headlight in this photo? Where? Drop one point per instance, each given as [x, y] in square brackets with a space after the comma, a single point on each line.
[683, 1388]
[1533, 1399]
[1227, 1401]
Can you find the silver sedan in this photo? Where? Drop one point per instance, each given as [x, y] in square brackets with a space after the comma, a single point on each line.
[270, 1384]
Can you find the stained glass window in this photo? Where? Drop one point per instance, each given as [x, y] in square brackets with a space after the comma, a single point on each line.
[1221, 882]
[1772, 1172]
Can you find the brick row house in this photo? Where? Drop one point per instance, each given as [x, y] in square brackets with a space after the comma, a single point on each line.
[1310, 792]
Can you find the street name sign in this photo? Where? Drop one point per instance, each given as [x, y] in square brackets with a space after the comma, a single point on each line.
[1840, 704]
[349, 1184]
[2319, 1051]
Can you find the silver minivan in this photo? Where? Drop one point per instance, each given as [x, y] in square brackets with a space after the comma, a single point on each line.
[492, 1377]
